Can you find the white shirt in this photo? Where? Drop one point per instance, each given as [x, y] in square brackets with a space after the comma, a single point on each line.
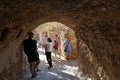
[44, 40]
[49, 47]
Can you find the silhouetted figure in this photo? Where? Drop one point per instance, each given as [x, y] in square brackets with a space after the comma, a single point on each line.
[30, 49]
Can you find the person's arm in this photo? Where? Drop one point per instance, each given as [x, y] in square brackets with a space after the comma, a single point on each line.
[64, 44]
[35, 45]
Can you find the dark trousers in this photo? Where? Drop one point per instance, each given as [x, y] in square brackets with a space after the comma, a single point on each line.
[48, 56]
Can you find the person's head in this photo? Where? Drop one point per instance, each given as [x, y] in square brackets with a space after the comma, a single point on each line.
[30, 34]
[68, 40]
[46, 35]
[49, 40]
[56, 35]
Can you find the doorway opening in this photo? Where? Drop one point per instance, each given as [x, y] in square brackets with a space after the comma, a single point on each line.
[62, 69]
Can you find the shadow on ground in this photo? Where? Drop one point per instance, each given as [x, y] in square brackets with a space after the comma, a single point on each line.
[62, 69]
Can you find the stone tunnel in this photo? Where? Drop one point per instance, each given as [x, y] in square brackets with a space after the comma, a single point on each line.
[96, 24]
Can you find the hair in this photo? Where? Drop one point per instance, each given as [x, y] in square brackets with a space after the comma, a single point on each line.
[49, 40]
[46, 35]
[30, 33]
[56, 35]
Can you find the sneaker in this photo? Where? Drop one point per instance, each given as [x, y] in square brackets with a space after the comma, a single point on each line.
[48, 68]
[34, 75]
[51, 67]
[38, 70]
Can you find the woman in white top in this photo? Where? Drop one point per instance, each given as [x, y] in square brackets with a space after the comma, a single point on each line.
[49, 48]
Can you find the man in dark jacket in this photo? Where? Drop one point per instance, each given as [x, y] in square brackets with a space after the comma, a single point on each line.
[30, 49]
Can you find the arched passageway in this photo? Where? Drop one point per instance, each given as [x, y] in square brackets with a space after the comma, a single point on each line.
[63, 32]
[61, 67]
[96, 26]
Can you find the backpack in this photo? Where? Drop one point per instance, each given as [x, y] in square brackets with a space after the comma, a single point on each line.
[55, 45]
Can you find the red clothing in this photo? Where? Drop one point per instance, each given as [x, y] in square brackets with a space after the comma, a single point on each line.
[55, 45]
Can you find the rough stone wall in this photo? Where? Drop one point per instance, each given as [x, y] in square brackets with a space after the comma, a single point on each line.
[100, 40]
[95, 22]
[102, 53]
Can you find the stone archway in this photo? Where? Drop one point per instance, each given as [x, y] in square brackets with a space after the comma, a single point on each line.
[97, 33]
[63, 32]
[53, 28]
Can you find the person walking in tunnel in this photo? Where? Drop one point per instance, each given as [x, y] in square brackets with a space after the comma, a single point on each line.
[68, 49]
[30, 49]
[56, 46]
[44, 42]
[49, 48]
